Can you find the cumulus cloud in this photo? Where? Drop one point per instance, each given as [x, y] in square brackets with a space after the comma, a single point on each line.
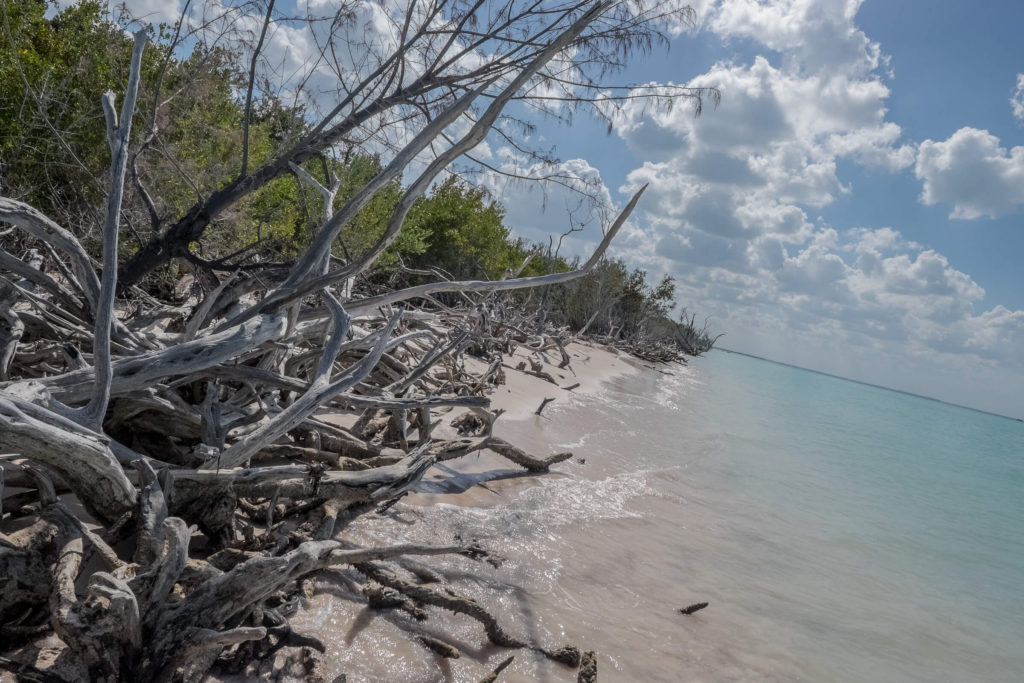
[862, 287]
[747, 170]
[814, 35]
[730, 192]
[1017, 100]
[773, 146]
[973, 172]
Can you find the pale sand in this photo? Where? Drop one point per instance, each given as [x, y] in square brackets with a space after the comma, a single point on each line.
[457, 482]
[521, 394]
[591, 366]
[379, 645]
[519, 397]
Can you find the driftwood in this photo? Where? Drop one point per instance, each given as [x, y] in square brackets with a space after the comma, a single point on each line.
[191, 450]
[696, 607]
[439, 648]
[493, 676]
[189, 442]
[543, 404]
[588, 668]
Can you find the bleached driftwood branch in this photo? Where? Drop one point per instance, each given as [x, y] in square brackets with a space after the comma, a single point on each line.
[218, 420]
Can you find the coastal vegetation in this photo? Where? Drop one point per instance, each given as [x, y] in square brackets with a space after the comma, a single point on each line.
[198, 265]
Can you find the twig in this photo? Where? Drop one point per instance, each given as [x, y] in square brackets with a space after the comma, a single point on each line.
[543, 404]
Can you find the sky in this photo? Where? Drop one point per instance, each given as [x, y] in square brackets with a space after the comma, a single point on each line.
[854, 204]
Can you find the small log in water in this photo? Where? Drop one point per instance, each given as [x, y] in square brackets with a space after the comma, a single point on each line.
[696, 607]
[493, 676]
[543, 404]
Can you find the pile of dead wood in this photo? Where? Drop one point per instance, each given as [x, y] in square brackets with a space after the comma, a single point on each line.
[169, 482]
[198, 467]
[200, 473]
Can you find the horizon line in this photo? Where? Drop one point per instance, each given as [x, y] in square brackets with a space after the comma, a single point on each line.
[869, 384]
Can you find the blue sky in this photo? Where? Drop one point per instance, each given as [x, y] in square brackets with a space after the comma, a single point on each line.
[907, 271]
[853, 205]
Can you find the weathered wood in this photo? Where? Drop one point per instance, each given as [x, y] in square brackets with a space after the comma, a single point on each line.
[11, 329]
[493, 676]
[295, 482]
[214, 602]
[42, 228]
[439, 647]
[696, 607]
[449, 601]
[25, 558]
[101, 630]
[83, 459]
[139, 372]
[119, 131]
[588, 668]
[321, 390]
[524, 459]
[543, 404]
[31, 271]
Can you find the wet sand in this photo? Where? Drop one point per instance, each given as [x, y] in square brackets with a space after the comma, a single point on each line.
[524, 517]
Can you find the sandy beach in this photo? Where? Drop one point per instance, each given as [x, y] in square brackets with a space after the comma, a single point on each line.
[592, 368]
[369, 645]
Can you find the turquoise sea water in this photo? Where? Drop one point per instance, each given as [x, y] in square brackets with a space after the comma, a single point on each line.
[841, 532]
[901, 517]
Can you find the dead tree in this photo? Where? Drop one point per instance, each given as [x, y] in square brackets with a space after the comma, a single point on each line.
[192, 435]
[445, 51]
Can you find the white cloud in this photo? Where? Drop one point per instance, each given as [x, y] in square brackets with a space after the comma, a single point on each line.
[572, 196]
[972, 172]
[874, 147]
[744, 172]
[1017, 99]
[730, 191]
[859, 288]
[815, 35]
[996, 331]
[774, 129]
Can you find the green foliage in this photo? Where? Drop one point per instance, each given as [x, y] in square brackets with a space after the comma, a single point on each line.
[53, 149]
[366, 229]
[52, 73]
[54, 155]
[465, 236]
[614, 300]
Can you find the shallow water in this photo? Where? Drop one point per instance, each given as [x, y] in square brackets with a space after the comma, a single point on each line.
[841, 532]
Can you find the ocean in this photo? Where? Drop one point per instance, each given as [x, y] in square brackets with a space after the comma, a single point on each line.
[838, 531]
[879, 536]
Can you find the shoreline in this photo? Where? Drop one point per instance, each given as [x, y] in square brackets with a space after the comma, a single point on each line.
[674, 508]
[467, 487]
[519, 397]
[591, 367]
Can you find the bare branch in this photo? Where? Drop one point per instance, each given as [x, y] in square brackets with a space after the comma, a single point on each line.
[118, 136]
[248, 91]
